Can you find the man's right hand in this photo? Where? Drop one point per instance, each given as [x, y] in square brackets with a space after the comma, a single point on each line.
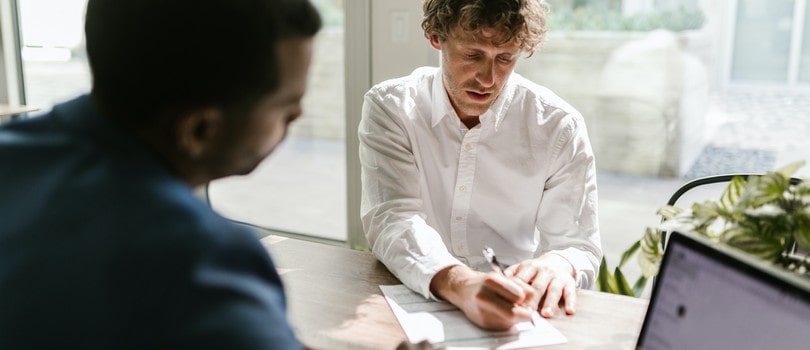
[490, 300]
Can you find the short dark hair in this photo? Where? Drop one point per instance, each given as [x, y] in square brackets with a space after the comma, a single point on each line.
[151, 57]
[521, 21]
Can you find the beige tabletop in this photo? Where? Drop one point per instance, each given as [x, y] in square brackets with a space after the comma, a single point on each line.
[335, 303]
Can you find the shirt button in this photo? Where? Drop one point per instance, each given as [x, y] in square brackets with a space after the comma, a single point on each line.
[458, 218]
[462, 188]
[468, 147]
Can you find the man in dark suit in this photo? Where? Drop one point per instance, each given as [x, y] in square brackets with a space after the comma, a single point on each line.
[102, 243]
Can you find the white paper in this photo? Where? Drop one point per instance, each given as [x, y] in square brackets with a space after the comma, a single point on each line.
[440, 322]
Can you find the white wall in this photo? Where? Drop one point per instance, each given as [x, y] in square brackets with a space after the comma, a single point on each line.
[398, 44]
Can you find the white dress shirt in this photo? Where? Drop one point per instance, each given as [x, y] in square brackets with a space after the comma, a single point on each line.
[435, 193]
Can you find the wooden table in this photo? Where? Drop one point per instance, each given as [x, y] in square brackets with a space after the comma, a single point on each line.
[335, 302]
[8, 111]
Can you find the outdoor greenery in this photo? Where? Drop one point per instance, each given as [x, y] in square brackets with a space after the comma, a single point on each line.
[765, 216]
[598, 18]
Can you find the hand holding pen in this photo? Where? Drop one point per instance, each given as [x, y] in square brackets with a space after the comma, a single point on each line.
[550, 275]
[492, 301]
[498, 267]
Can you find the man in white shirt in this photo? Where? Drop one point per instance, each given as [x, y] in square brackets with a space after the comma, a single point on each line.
[472, 155]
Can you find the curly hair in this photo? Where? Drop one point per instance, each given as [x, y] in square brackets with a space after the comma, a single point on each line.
[521, 21]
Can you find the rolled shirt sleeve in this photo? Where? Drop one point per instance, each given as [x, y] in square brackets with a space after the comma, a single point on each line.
[567, 216]
[391, 209]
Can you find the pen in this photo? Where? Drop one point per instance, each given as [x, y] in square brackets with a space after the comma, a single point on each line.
[489, 254]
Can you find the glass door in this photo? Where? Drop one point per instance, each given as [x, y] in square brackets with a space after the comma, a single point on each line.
[762, 40]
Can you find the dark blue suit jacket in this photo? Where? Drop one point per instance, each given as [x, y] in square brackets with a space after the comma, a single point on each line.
[102, 248]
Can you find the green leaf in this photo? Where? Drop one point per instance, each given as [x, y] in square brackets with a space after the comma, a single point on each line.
[732, 193]
[616, 282]
[669, 212]
[651, 252]
[704, 214]
[765, 248]
[790, 169]
[629, 253]
[605, 282]
[802, 233]
[621, 283]
[638, 288]
[768, 188]
[803, 240]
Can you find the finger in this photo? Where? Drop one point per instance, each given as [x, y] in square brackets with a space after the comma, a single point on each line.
[541, 282]
[499, 313]
[526, 272]
[505, 288]
[511, 270]
[493, 303]
[521, 314]
[552, 298]
[570, 296]
[532, 296]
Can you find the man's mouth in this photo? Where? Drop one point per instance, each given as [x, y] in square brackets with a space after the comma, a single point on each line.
[476, 96]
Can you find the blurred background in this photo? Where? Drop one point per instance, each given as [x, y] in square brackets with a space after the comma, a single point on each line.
[670, 90]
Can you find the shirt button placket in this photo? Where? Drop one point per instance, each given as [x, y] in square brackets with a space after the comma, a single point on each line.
[462, 194]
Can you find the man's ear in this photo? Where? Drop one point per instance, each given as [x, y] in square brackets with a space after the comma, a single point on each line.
[435, 41]
[197, 130]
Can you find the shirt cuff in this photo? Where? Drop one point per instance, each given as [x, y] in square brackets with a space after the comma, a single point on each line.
[584, 273]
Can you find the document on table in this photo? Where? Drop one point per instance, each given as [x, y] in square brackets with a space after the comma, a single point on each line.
[440, 322]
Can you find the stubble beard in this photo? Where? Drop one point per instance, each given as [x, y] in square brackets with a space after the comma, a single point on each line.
[462, 102]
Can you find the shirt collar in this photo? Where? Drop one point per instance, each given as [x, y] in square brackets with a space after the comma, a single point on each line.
[441, 102]
[501, 104]
[442, 106]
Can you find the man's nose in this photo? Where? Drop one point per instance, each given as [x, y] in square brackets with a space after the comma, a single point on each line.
[486, 73]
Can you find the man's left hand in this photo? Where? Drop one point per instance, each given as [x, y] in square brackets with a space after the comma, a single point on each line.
[553, 278]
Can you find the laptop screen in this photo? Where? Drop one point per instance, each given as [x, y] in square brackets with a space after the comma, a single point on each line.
[708, 297]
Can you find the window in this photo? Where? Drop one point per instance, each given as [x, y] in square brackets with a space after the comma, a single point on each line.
[675, 90]
[301, 187]
[762, 40]
[661, 107]
[53, 56]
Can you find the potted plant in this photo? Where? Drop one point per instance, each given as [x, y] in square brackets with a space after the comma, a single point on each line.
[766, 216]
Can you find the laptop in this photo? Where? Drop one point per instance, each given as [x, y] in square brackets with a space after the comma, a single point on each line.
[709, 296]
